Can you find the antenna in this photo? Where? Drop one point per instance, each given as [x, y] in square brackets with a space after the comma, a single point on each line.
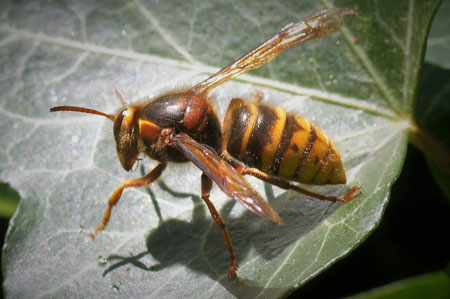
[82, 110]
[121, 98]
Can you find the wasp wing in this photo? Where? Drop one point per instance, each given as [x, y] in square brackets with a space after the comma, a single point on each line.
[224, 175]
[316, 25]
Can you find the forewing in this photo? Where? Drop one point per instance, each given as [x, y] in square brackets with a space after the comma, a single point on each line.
[316, 25]
[224, 175]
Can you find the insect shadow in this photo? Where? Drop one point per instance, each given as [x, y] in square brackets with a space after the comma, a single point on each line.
[199, 244]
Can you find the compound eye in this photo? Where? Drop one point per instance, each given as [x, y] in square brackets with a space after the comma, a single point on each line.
[125, 136]
[118, 123]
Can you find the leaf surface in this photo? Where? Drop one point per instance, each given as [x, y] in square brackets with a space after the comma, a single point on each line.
[358, 85]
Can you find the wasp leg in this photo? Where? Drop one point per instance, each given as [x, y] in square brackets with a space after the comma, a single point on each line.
[257, 96]
[206, 189]
[145, 180]
[288, 185]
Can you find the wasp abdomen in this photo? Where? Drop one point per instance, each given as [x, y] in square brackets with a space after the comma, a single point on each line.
[281, 144]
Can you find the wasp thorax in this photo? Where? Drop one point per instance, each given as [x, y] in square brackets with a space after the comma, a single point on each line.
[126, 139]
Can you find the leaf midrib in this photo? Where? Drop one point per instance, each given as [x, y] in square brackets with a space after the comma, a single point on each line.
[200, 68]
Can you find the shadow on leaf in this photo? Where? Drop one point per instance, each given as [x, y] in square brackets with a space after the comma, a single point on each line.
[199, 244]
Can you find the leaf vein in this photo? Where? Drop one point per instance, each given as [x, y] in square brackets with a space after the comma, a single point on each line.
[367, 63]
[200, 68]
[71, 70]
[407, 91]
[163, 33]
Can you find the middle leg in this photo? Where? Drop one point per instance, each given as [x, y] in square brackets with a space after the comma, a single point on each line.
[206, 189]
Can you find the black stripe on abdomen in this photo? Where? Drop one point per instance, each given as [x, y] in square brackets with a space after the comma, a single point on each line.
[260, 136]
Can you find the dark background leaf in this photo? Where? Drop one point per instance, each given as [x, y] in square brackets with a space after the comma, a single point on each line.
[9, 199]
[438, 45]
[434, 285]
[433, 102]
[433, 115]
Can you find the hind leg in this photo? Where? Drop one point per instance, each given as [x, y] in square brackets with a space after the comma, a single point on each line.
[285, 184]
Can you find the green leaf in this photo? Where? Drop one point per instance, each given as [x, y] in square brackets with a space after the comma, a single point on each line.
[431, 285]
[358, 85]
[9, 199]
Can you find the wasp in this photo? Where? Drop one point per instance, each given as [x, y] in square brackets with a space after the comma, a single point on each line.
[265, 141]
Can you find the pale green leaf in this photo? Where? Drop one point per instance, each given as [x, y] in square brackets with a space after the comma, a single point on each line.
[358, 85]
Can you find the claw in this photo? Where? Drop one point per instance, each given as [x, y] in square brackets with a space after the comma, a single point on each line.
[355, 191]
[232, 272]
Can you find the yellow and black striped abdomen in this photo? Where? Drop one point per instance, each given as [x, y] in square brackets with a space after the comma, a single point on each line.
[281, 144]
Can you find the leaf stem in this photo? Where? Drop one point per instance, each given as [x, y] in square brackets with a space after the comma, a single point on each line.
[432, 146]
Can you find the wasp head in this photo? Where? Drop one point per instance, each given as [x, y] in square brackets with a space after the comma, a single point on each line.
[125, 134]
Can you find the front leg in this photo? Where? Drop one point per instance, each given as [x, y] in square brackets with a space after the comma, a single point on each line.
[145, 180]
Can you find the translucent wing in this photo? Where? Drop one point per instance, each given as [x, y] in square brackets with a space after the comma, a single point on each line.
[316, 25]
[224, 175]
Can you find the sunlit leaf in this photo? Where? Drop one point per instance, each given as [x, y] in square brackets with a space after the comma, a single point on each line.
[357, 84]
